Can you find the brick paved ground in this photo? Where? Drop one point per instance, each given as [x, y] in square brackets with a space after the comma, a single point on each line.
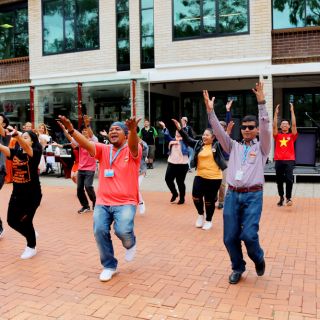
[180, 272]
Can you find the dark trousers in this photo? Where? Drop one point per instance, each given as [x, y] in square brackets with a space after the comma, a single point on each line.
[85, 182]
[176, 172]
[21, 211]
[207, 189]
[284, 174]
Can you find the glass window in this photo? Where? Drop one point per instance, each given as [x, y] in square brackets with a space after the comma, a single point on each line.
[70, 25]
[123, 29]
[147, 34]
[295, 13]
[14, 40]
[199, 18]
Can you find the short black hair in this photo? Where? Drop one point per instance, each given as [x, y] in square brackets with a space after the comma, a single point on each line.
[285, 120]
[5, 120]
[82, 127]
[249, 118]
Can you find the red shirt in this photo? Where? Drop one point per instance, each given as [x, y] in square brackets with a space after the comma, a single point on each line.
[284, 149]
[123, 187]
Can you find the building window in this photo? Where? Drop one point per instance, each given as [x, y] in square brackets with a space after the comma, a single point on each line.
[14, 40]
[207, 18]
[70, 25]
[123, 41]
[147, 34]
[296, 13]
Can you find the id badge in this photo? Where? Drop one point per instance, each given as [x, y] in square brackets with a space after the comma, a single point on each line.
[108, 173]
[239, 175]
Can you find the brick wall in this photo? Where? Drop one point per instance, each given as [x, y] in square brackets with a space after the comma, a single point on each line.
[14, 70]
[296, 45]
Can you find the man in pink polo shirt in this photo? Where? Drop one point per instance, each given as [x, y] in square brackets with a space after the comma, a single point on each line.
[118, 190]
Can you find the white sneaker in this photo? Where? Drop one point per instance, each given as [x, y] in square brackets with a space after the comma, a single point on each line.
[130, 253]
[28, 253]
[142, 207]
[207, 225]
[199, 222]
[107, 274]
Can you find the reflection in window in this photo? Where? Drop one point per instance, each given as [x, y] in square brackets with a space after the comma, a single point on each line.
[14, 40]
[295, 13]
[147, 34]
[70, 25]
[200, 18]
[123, 43]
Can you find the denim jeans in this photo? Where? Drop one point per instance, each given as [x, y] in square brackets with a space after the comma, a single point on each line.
[123, 218]
[85, 181]
[241, 216]
[190, 155]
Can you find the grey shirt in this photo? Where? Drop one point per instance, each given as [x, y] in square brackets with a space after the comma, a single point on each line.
[250, 160]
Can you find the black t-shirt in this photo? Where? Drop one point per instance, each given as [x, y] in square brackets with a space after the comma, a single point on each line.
[25, 168]
[188, 130]
[148, 135]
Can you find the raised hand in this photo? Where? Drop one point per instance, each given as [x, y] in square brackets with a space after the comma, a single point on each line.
[86, 120]
[177, 124]
[132, 124]
[162, 124]
[65, 122]
[258, 91]
[209, 103]
[230, 127]
[228, 105]
[276, 110]
[104, 133]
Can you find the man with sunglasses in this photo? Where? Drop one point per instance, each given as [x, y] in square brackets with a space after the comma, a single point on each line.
[245, 177]
[284, 154]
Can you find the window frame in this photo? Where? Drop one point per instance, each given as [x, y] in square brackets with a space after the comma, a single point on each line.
[13, 7]
[144, 65]
[121, 66]
[208, 35]
[75, 30]
[293, 27]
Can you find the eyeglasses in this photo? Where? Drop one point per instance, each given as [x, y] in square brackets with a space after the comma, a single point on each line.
[243, 127]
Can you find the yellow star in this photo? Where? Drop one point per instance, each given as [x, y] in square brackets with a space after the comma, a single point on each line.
[283, 142]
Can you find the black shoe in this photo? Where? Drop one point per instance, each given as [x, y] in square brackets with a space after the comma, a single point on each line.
[220, 206]
[148, 165]
[173, 198]
[151, 166]
[234, 277]
[280, 203]
[84, 210]
[181, 201]
[260, 268]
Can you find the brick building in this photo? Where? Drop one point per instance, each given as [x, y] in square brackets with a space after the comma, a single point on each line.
[152, 58]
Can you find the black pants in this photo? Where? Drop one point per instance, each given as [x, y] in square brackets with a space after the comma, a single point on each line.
[21, 210]
[85, 182]
[284, 174]
[176, 172]
[207, 189]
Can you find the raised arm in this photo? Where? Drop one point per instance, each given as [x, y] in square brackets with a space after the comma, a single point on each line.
[228, 111]
[87, 120]
[4, 149]
[133, 139]
[77, 136]
[264, 129]
[275, 121]
[293, 120]
[186, 139]
[222, 136]
[166, 132]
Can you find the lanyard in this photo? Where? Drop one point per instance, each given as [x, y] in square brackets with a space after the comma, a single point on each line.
[115, 156]
[246, 150]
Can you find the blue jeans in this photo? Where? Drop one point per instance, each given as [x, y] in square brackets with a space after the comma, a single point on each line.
[190, 155]
[241, 217]
[123, 218]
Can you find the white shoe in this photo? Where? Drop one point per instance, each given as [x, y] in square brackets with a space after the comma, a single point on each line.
[28, 253]
[199, 222]
[142, 207]
[130, 253]
[107, 274]
[207, 225]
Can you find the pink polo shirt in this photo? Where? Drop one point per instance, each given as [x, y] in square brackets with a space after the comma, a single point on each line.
[122, 188]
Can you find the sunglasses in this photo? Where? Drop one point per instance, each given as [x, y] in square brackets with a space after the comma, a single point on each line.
[243, 127]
